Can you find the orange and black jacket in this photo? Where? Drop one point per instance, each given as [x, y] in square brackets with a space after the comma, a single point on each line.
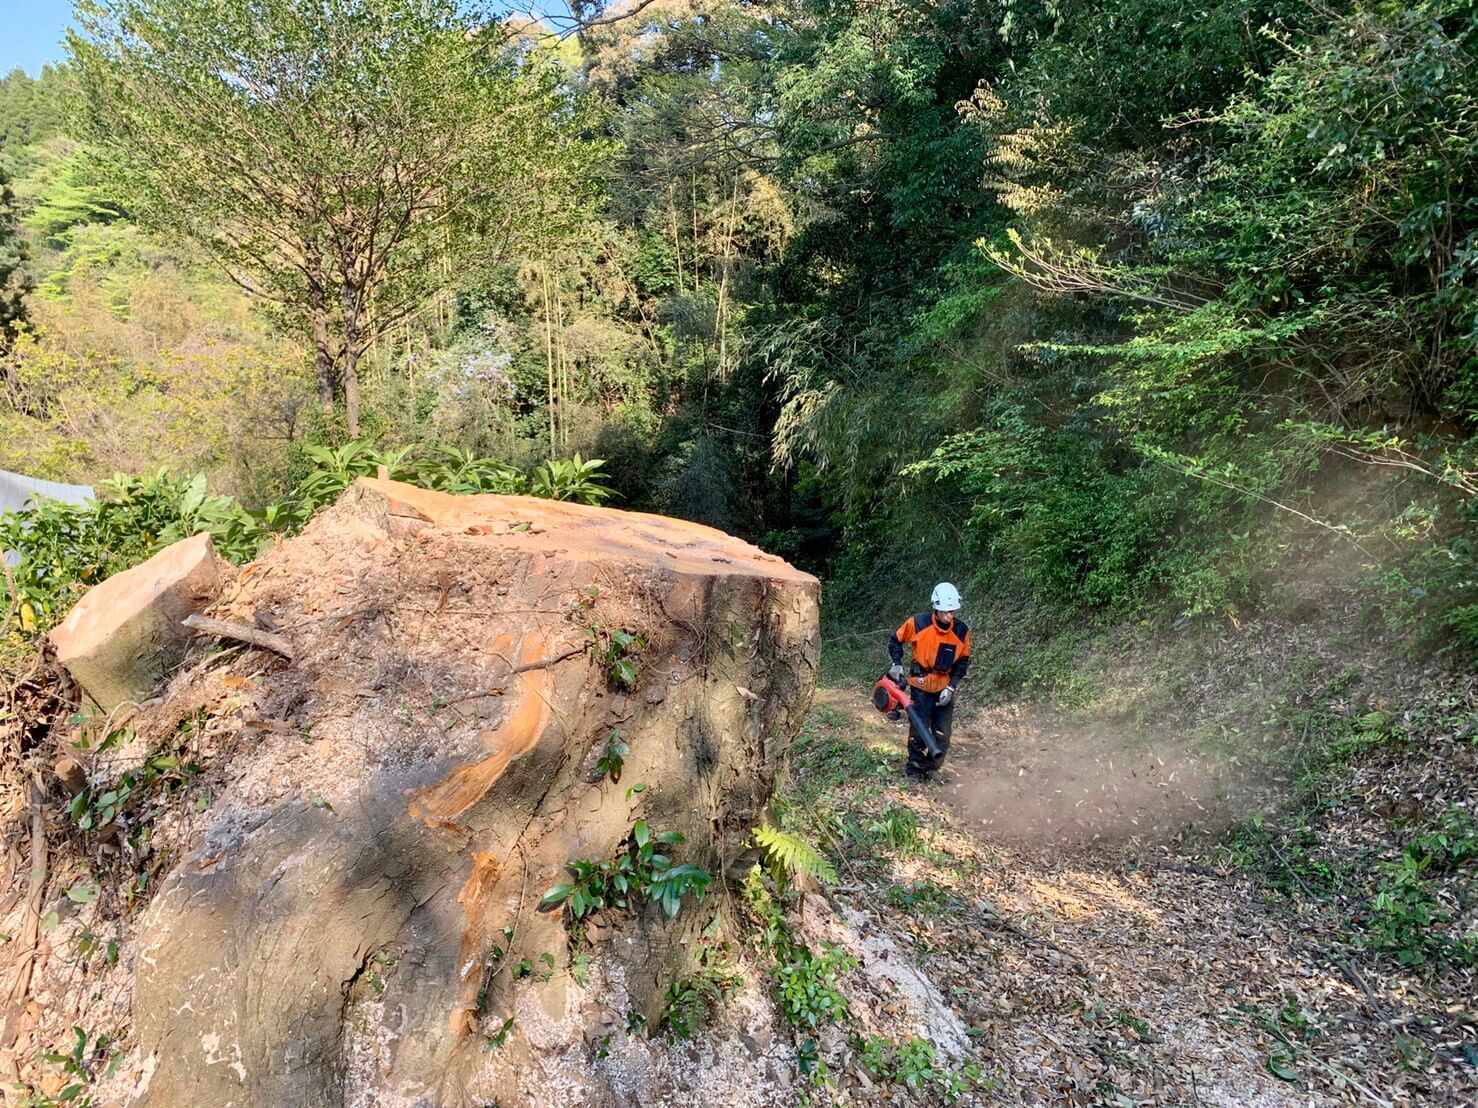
[940, 657]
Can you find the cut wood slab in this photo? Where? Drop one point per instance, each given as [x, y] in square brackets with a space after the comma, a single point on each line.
[125, 635]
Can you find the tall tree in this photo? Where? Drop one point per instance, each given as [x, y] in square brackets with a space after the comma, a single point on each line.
[13, 278]
[346, 160]
[31, 109]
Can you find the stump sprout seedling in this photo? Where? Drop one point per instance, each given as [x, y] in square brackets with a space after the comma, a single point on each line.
[500, 1036]
[691, 999]
[638, 871]
[610, 763]
[615, 650]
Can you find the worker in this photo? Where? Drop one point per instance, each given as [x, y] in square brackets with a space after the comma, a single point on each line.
[941, 655]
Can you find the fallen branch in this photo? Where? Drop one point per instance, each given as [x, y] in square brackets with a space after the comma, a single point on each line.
[25, 958]
[513, 671]
[1300, 1051]
[204, 625]
[992, 917]
[1187, 867]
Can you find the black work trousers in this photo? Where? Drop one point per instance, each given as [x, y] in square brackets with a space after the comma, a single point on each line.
[938, 719]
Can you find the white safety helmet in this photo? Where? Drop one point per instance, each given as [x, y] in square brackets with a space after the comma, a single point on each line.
[946, 597]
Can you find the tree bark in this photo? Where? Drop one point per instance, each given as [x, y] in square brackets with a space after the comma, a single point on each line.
[353, 299]
[549, 364]
[323, 362]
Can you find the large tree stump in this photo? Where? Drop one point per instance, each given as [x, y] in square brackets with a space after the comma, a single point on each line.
[428, 769]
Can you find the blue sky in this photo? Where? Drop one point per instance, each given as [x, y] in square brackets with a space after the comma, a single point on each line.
[31, 30]
[32, 33]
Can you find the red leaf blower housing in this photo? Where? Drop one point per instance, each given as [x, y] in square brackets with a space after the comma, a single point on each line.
[890, 698]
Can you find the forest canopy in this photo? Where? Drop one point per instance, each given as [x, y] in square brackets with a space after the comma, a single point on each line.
[1108, 313]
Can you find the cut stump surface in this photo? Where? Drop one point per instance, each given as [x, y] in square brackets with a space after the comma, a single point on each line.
[359, 914]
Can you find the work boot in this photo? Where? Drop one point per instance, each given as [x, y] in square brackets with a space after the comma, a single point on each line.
[915, 773]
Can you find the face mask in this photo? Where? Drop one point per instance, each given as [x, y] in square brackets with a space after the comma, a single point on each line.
[943, 621]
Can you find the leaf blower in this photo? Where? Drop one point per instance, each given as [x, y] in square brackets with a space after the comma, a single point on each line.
[890, 699]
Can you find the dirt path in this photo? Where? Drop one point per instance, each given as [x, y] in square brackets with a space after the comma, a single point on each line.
[1053, 905]
[1026, 777]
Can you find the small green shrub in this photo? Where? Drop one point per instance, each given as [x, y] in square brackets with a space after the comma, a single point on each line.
[638, 871]
[1450, 841]
[921, 896]
[1357, 738]
[805, 980]
[615, 652]
[1407, 920]
[79, 1067]
[690, 999]
[898, 828]
[1288, 858]
[571, 479]
[161, 775]
[580, 968]
[915, 1063]
[335, 468]
[453, 469]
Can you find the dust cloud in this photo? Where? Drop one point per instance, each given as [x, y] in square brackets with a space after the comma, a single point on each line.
[1022, 775]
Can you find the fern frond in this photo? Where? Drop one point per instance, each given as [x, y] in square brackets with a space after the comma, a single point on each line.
[788, 856]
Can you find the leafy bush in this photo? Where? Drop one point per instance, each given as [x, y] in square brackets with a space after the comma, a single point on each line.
[1450, 841]
[570, 479]
[335, 468]
[1406, 917]
[453, 469]
[639, 870]
[1404, 910]
[915, 1063]
[66, 548]
[805, 980]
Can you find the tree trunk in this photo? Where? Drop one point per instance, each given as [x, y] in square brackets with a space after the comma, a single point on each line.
[323, 361]
[351, 391]
[549, 364]
[562, 367]
[353, 300]
[350, 928]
